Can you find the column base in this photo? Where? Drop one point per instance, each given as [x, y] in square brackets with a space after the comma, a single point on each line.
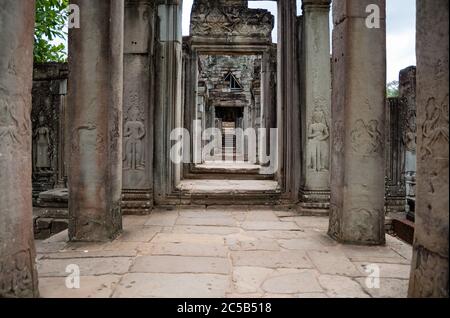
[315, 202]
[137, 202]
[359, 243]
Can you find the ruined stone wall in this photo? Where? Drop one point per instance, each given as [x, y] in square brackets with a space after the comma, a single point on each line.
[214, 69]
[48, 121]
[401, 147]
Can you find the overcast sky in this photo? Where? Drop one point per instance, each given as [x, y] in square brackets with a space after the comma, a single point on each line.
[401, 20]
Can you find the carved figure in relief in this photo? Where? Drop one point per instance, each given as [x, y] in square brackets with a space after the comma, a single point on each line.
[435, 127]
[335, 222]
[42, 139]
[8, 124]
[318, 135]
[376, 141]
[366, 139]
[134, 133]
[220, 18]
[410, 137]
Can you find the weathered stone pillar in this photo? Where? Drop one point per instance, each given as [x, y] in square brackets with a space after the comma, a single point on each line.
[407, 94]
[268, 99]
[138, 97]
[288, 118]
[18, 276]
[95, 116]
[168, 115]
[358, 103]
[316, 105]
[429, 276]
[395, 157]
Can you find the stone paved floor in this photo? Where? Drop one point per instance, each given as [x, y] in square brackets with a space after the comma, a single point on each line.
[222, 253]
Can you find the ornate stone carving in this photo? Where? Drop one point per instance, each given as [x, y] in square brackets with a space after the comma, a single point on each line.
[435, 127]
[134, 133]
[17, 275]
[215, 18]
[334, 225]
[42, 142]
[367, 139]
[429, 271]
[318, 142]
[410, 136]
[8, 125]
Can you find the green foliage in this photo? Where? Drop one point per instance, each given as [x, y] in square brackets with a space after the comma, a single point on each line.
[51, 16]
[392, 89]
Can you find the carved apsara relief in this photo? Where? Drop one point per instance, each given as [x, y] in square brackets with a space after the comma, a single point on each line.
[134, 133]
[435, 128]
[410, 132]
[8, 125]
[367, 139]
[318, 142]
[41, 139]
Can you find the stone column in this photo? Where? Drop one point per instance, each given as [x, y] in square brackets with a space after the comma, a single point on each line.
[358, 103]
[395, 157]
[138, 95]
[407, 94]
[95, 117]
[288, 118]
[18, 276]
[429, 276]
[268, 100]
[168, 97]
[316, 105]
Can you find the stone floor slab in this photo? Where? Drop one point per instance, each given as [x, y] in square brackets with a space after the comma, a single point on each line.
[302, 244]
[341, 287]
[133, 221]
[261, 216]
[333, 263]
[271, 259]
[249, 279]
[139, 235]
[218, 221]
[90, 287]
[296, 283]
[87, 266]
[166, 218]
[269, 226]
[216, 230]
[159, 285]
[188, 238]
[386, 270]
[389, 288]
[189, 249]
[181, 264]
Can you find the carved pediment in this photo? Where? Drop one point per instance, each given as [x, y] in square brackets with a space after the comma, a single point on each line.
[222, 18]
